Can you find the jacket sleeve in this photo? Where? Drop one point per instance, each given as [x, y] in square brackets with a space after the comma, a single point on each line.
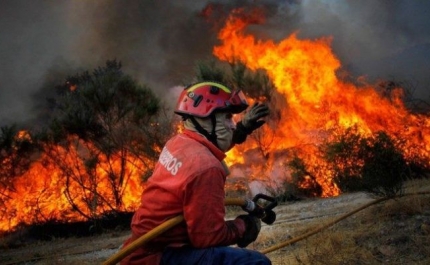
[204, 212]
[240, 134]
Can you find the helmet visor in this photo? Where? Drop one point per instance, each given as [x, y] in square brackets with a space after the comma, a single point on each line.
[237, 102]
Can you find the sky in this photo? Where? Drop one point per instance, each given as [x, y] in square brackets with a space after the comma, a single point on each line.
[160, 42]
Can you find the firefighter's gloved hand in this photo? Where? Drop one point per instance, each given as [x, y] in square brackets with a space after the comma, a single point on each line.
[254, 209]
[253, 227]
[250, 122]
[252, 118]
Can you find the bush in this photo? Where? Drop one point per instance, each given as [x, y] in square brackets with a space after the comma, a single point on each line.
[372, 164]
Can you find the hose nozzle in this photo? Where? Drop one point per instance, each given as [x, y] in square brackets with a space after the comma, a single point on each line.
[266, 214]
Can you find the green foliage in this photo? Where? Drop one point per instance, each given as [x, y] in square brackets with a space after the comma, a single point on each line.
[371, 164]
[341, 155]
[211, 71]
[303, 179]
[256, 84]
[385, 169]
[100, 106]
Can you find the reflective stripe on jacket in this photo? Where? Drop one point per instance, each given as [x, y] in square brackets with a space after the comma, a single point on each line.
[188, 180]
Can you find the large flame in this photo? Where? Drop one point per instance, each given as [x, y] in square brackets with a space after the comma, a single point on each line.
[318, 104]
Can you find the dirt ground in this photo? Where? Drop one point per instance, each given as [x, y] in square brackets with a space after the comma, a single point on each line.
[293, 219]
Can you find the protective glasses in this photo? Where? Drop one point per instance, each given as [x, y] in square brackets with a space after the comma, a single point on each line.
[237, 99]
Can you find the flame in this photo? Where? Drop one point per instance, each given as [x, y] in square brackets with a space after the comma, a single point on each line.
[314, 106]
[318, 105]
[48, 191]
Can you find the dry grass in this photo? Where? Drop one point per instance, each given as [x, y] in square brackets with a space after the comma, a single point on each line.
[392, 232]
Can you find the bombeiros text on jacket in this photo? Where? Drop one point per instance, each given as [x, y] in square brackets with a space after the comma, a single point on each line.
[171, 163]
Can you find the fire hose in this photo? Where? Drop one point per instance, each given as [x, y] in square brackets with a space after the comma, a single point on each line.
[266, 214]
[319, 229]
[268, 217]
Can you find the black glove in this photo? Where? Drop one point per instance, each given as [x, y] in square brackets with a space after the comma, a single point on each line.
[252, 229]
[250, 122]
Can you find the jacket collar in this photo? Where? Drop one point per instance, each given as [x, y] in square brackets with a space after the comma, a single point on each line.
[220, 155]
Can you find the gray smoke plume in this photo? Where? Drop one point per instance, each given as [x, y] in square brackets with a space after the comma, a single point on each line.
[159, 42]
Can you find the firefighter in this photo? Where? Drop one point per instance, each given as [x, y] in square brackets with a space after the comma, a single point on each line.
[189, 179]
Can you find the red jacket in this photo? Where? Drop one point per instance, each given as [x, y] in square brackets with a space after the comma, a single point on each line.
[187, 180]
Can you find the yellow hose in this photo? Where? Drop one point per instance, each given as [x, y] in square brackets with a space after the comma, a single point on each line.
[238, 202]
[127, 250]
[319, 229]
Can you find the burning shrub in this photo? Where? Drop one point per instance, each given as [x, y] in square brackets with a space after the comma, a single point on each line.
[104, 131]
[371, 163]
[104, 134]
[302, 179]
[16, 149]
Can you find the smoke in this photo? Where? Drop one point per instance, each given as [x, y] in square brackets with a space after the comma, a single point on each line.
[376, 39]
[159, 42]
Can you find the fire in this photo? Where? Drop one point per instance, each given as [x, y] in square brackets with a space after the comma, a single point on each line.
[49, 191]
[318, 105]
[314, 105]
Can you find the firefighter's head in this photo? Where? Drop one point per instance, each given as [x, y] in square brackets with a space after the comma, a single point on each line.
[208, 107]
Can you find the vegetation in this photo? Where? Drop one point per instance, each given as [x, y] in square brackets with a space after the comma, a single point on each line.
[14, 154]
[104, 120]
[15, 158]
[101, 124]
[371, 164]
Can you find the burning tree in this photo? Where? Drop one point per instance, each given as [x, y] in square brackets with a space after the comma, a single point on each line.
[104, 132]
[103, 140]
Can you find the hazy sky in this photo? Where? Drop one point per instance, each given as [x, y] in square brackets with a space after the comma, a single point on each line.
[159, 42]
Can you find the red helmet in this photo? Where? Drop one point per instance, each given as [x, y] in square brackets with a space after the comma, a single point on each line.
[202, 99]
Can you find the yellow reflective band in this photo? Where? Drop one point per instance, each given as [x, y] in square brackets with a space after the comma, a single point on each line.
[226, 89]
